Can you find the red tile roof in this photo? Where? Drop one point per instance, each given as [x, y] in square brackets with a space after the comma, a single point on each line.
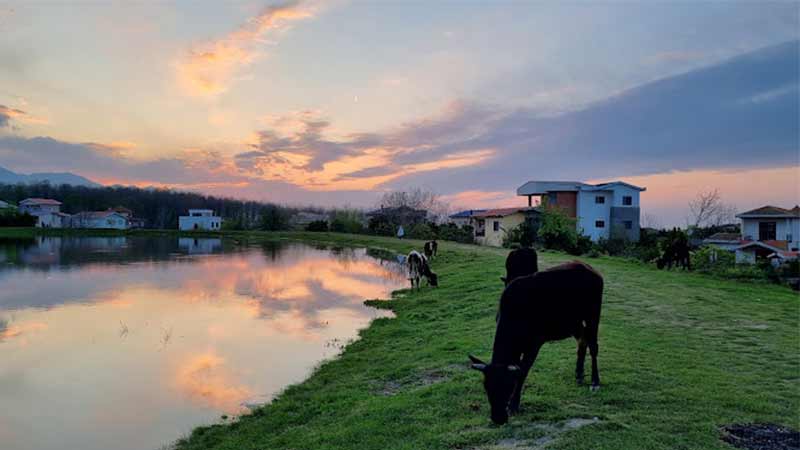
[772, 211]
[503, 212]
[41, 201]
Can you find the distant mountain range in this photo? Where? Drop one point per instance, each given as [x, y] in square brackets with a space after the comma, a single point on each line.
[9, 177]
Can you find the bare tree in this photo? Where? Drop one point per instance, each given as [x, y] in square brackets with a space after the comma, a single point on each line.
[416, 198]
[708, 209]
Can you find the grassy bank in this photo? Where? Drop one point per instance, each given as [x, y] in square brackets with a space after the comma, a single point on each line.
[680, 355]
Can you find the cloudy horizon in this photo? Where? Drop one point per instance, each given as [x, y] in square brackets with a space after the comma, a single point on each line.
[334, 103]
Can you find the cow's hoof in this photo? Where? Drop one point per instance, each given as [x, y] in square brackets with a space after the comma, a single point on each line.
[594, 388]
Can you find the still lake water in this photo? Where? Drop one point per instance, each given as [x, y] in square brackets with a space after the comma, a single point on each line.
[128, 343]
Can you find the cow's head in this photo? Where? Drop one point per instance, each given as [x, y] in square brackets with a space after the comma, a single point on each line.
[433, 279]
[519, 263]
[499, 381]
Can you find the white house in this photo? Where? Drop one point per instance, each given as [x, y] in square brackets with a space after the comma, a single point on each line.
[100, 220]
[200, 219]
[769, 232]
[47, 212]
[600, 209]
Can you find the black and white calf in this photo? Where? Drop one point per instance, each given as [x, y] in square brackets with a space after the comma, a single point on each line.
[418, 267]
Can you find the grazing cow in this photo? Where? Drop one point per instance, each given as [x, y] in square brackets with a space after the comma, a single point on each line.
[418, 267]
[548, 306]
[431, 248]
[519, 263]
[675, 250]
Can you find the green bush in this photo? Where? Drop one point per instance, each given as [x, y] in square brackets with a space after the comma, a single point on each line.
[523, 235]
[452, 232]
[10, 217]
[421, 231]
[346, 221]
[317, 226]
[712, 259]
[557, 230]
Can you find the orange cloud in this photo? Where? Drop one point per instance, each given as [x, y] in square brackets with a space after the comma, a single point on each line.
[24, 328]
[209, 69]
[19, 116]
[484, 199]
[205, 379]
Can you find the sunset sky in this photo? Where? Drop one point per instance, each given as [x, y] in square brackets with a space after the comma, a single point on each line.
[334, 103]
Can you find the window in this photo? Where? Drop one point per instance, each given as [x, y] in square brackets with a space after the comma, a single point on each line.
[627, 200]
[599, 200]
[628, 224]
[496, 225]
[599, 223]
[767, 231]
[194, 214]
[789, 237]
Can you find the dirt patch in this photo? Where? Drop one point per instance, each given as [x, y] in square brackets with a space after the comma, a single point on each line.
[761, 436]
[552, 432]
[426, 378]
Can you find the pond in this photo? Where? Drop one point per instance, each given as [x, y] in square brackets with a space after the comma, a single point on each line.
[129, 343]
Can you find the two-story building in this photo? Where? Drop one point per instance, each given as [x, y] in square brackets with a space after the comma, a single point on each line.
[769, 232]
[200, 219]
[47, 212]
[601, 210]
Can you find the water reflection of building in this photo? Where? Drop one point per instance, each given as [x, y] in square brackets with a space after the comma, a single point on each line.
[200, 246]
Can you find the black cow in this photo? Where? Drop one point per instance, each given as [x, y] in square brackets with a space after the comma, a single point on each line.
[519, 263]
[431, 248]
[418, 267]
[548, 306]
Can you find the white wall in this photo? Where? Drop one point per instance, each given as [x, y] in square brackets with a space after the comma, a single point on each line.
[39, 209]
[622, 191]
[589, 212]
[208, 223]
[783, 228]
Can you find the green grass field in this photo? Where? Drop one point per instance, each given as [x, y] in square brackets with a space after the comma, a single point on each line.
[680, 355]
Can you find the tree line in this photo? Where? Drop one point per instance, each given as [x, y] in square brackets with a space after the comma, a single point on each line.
[159, 208]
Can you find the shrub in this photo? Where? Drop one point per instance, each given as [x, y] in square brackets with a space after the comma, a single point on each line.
[346, 221]
[317, 226]
[12, 218]
[451, 232]
[557, 230]
[712, 259]
[421, 231]
[274, 218]
[523, 235]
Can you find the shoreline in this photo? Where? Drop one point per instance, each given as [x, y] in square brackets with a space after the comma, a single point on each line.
[680, 354]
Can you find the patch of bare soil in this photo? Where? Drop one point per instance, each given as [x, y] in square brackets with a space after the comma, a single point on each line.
[394, 387]
[761, 436]
[552, 431]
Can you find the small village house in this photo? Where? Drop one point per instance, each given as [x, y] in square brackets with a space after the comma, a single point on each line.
[769, 232]
[109, 219]
[462, 218]
[6, 205]
[601, 210]
[492, 226]
[47, 212]
[200, 219]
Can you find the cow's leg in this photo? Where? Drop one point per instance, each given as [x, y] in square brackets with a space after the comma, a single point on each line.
[580, 359]
[593, 348]
[525, 366]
